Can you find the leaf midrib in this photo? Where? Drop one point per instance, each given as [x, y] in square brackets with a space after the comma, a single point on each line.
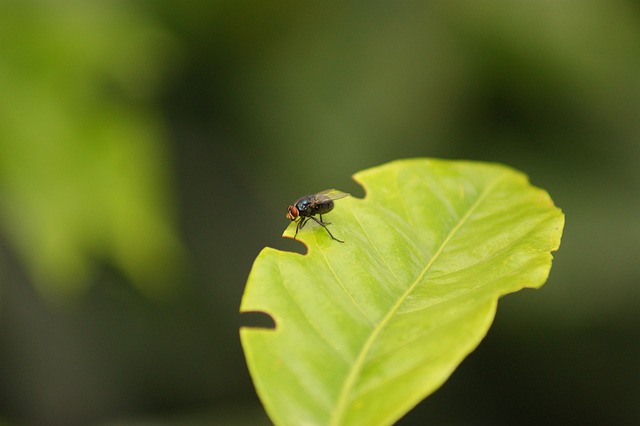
[354, 372]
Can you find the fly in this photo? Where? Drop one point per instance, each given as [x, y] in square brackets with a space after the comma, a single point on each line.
[308, 206]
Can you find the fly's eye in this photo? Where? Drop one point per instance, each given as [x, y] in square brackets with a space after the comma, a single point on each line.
[292, 213]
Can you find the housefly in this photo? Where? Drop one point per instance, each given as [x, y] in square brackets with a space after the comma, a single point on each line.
[308, 206]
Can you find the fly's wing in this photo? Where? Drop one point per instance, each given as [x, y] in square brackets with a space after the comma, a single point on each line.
[330, 194]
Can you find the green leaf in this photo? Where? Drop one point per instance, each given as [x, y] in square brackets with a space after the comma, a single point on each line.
[368, 328]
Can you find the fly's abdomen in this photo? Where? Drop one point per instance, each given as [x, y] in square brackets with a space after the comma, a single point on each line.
[324, 207]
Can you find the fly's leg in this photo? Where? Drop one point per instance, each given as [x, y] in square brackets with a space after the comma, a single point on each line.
[299, 225]
[324, 225]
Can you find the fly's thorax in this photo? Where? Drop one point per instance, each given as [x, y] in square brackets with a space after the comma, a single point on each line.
[305, 206]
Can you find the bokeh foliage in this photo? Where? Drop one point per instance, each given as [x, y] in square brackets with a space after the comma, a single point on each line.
[83, 161]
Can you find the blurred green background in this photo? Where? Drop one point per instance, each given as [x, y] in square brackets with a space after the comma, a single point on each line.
[148, 151]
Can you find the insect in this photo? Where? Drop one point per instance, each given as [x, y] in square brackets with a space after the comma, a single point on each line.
[307, 207]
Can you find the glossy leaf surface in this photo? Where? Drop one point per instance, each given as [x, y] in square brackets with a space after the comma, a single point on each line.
[368, 328]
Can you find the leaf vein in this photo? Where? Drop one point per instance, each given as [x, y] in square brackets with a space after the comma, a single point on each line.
[500, 251]
[375, 247]
[411, 368]
[344, 288]
[404, 205]
[306, 318]
[342, 402]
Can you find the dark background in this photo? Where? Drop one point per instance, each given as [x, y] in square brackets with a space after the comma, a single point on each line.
[148, 151]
